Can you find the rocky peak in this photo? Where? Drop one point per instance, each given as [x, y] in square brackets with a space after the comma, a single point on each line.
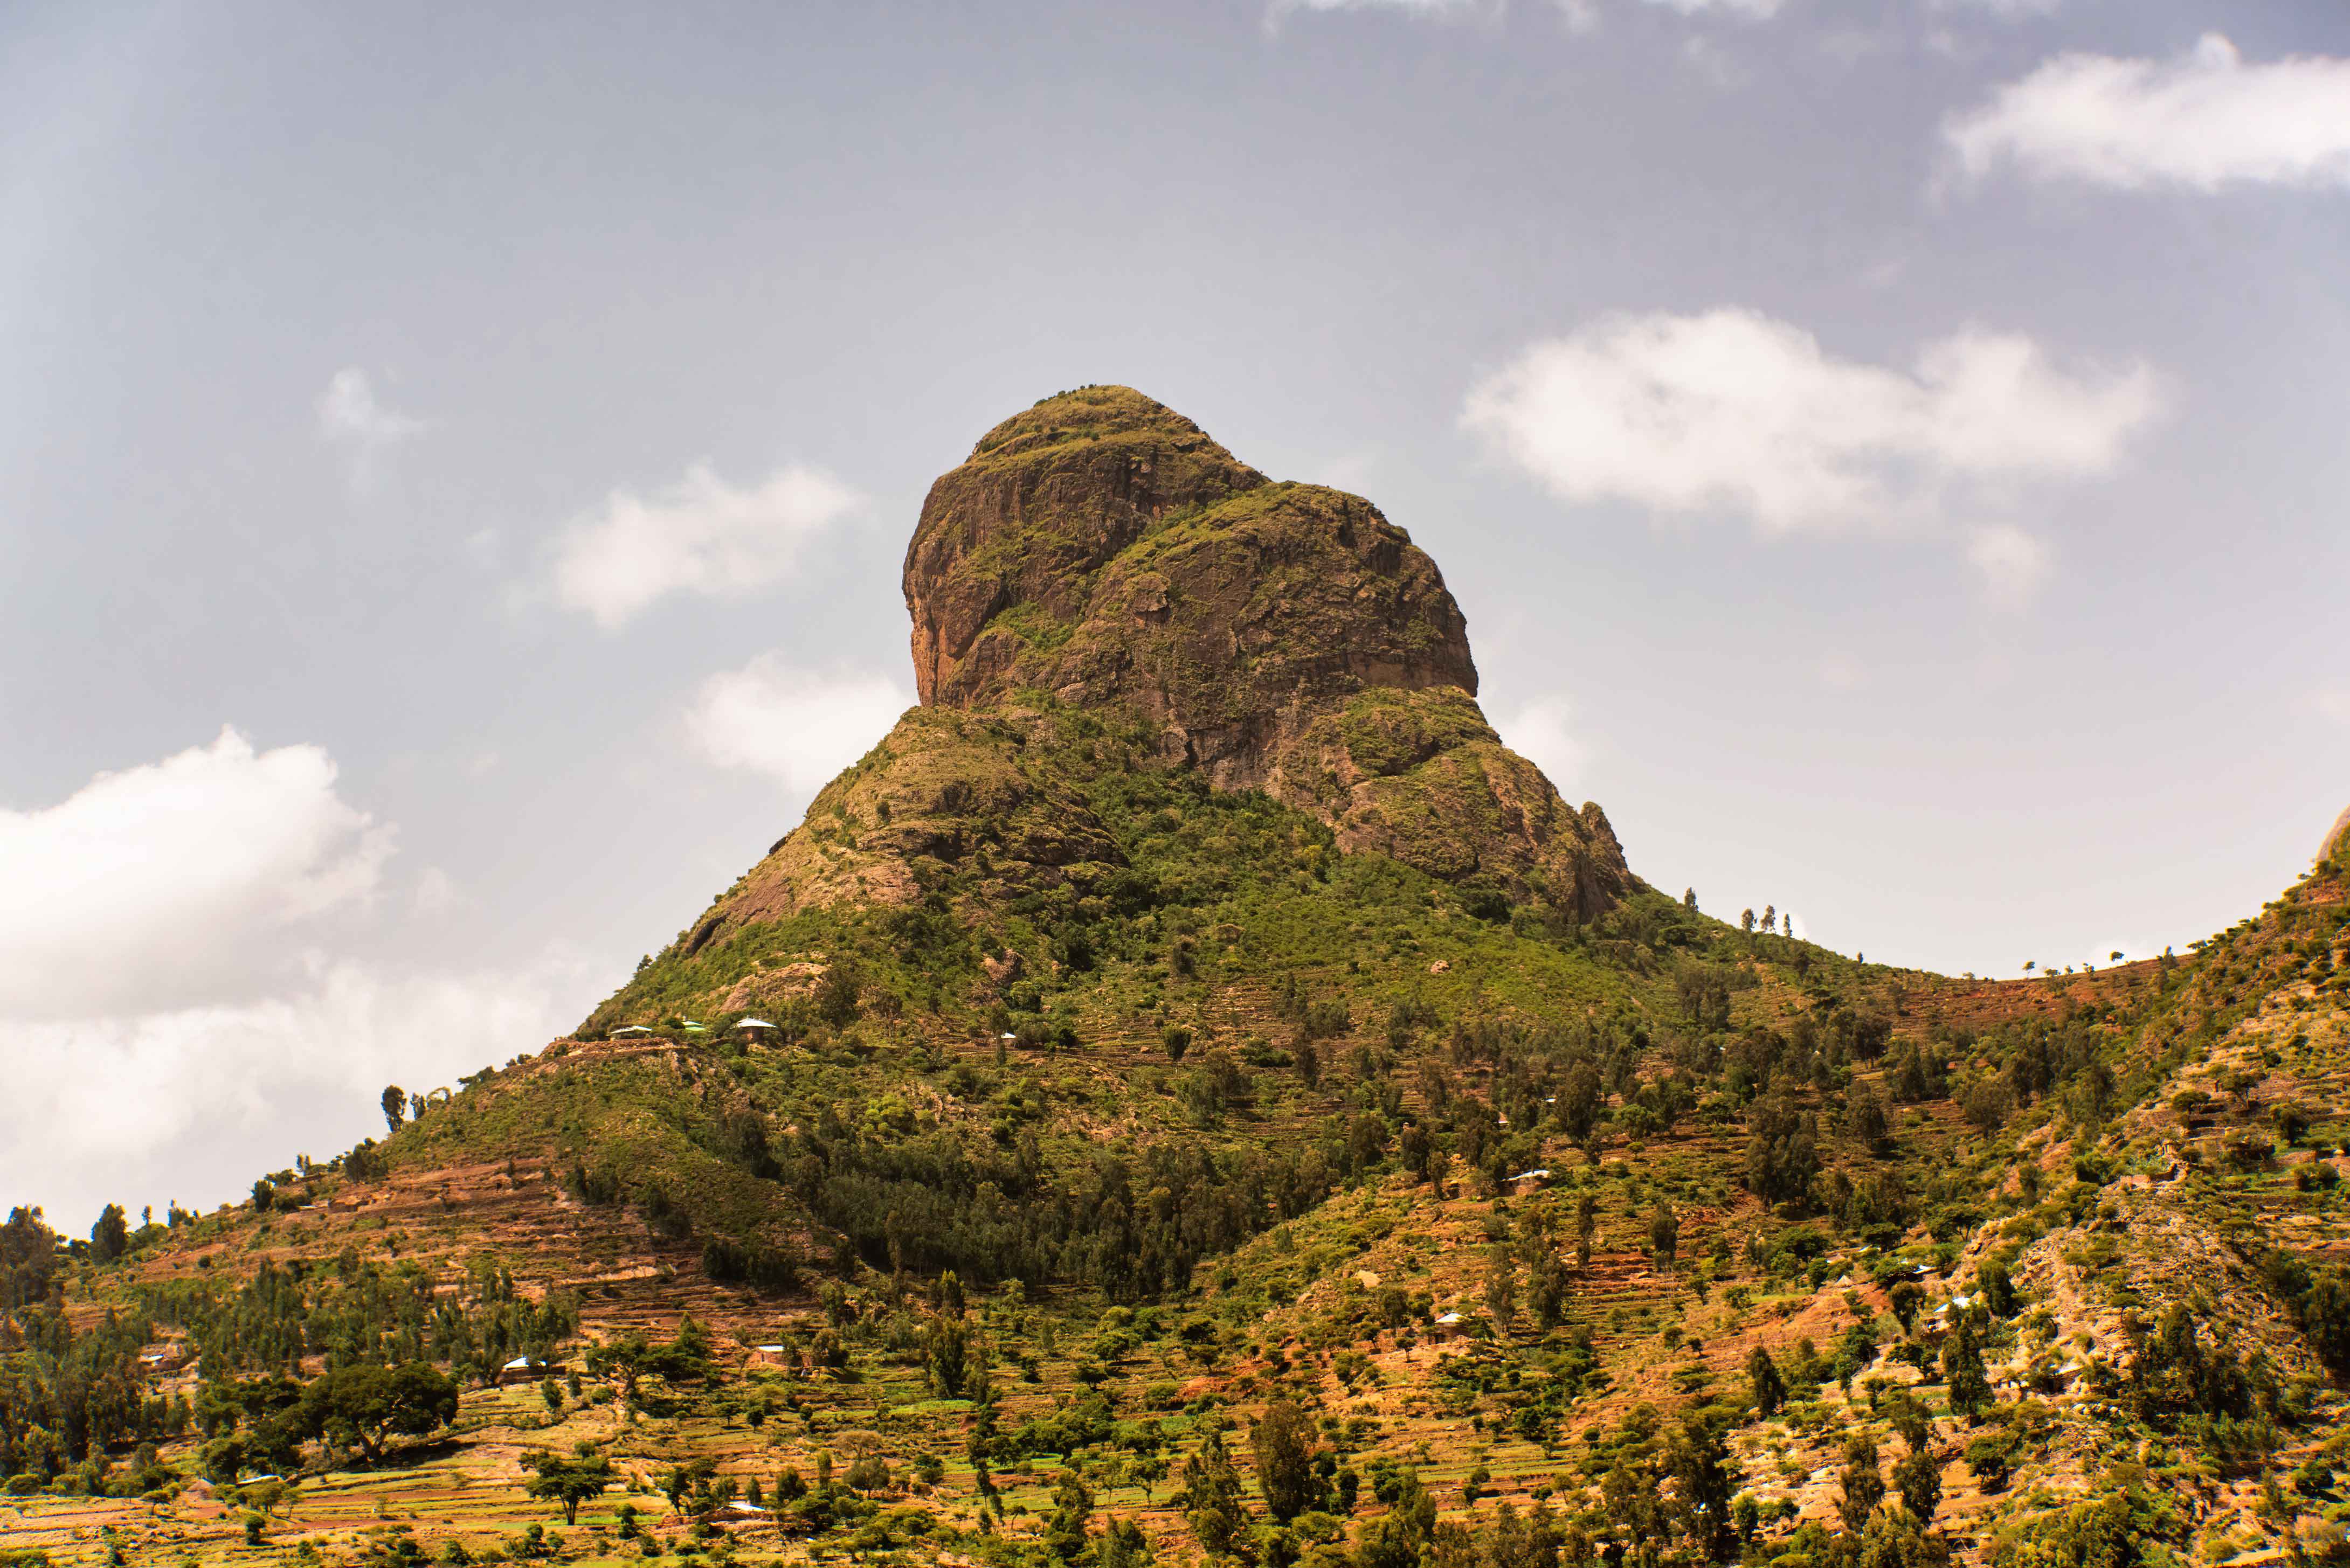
[1101, 587]
[1009, 542]
[1100, 547]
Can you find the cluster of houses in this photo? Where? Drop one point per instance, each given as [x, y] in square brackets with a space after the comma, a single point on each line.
[753, 1029]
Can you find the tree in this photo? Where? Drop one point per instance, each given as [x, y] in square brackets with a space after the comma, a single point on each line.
[1580, 1100]
[1996, 1286]
[838, 996]
[1216, 1515]
[1894, 1540]
[622, 1361]
[686, 1480]
[1987, 1106]
[1770, 1388]
[395, 1107]
[1177, 1039]
[1866, 1120]
[1073, 1508]
[1688, 897]
[1781, 1151]
[1500, 1286]
[1547, 1291]
[1918, 1478]
[1905, 1298]
[1664, 1233]
[1962, 1369]
[568, 1482]
[1746, 920]
[1586, 1226]
[1123, 1545]
[1418, 1151]
[111, 1237]
[1908, 1418]
[1283, 1444]
[948, 1355]
[377, 1402]
[1864, 1488]
[1705, 1476]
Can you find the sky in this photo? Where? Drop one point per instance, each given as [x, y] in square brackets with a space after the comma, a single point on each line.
[455, 468]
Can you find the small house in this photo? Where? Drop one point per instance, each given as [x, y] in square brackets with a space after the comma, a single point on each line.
[1526, 1182]
[1451, 1325]
[630, 1030]
[756, 1028]
[523, 1369]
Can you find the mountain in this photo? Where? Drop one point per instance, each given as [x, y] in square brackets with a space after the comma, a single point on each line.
[1209, 1097]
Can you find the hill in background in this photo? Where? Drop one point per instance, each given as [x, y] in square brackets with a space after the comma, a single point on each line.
[1190, 1090]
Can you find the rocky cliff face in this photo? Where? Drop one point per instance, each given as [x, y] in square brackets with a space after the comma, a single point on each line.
[1099, 554]
[1100, 547]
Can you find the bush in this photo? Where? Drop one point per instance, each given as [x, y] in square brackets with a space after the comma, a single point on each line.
[1987, 1460]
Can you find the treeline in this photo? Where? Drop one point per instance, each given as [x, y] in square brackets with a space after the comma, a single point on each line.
[66, 1398]
[1135, 1226]
[354, 1311]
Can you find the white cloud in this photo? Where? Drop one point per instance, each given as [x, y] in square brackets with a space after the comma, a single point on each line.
[1839, 672]
[2012, 564]
[192, 1103]
[350, 418]
[2200, 123]
[702, 536]
[796, 726]
[175, 881]
[2332, 702]
[2005, 10]
[1733, 412]
[1413, 7]
[1758, 10]
[436, 892]
[1538, 731]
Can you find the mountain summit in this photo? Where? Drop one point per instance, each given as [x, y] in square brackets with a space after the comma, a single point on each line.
[1098, 554]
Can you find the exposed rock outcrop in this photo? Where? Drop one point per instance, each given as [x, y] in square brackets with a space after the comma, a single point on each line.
[1100, 554]
[1289, 638]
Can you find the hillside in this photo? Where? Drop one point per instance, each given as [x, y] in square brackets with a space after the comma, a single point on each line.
[1191, 1091]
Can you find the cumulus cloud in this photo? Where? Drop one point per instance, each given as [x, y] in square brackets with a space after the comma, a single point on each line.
[192, 1103]
[1539, 732]
[2200, 123]
[1735, 412]
[168, 1028]
[350, 419]
[175, 881]
[700, 537]
[797, 726]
